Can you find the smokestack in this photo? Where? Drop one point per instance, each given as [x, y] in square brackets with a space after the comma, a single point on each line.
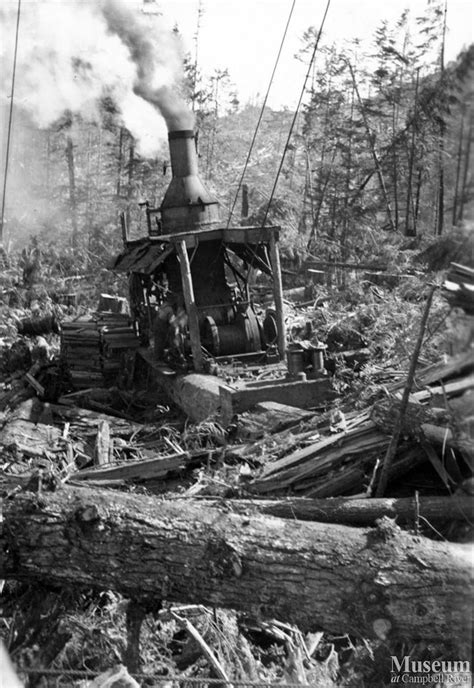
[183, 153]
[187, 204]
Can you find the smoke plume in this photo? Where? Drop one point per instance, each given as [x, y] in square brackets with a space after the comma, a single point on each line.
[72, 54]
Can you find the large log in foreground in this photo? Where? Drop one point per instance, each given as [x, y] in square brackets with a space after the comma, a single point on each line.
[369, 582]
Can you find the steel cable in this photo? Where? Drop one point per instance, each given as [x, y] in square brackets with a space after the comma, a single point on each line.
[261, 113]
[10, 119]
[296, 111]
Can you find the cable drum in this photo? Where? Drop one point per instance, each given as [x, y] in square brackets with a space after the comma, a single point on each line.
[239, 337]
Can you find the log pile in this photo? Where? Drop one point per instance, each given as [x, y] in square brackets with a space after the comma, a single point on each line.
[93, 348]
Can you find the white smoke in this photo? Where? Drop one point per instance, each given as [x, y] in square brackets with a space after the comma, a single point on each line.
[72, 53]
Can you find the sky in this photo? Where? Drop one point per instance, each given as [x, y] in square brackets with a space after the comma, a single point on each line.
[244, 35]
[71, 52]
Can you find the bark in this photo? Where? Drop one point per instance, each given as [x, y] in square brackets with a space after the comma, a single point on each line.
[330, 577]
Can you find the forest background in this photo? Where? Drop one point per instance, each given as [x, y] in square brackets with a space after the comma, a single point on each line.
[379, 156]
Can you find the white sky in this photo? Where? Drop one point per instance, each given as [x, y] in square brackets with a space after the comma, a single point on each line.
[244, 35]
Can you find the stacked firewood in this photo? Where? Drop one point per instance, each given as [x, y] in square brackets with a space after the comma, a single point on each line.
[118, 336]
[93, 348]
[81, 351]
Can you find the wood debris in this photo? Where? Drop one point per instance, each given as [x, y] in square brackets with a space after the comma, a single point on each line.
[342, 463]
[146, 469]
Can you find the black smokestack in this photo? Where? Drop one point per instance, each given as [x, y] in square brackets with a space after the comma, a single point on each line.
[187, 205]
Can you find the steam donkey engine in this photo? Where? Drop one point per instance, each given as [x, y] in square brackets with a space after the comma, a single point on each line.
[190, 298]
[189, 278]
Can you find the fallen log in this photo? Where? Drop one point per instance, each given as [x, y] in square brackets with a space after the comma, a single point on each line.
[356, 511]
[376, 582]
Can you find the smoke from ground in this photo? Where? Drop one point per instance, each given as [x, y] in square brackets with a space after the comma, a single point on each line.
[73, 54]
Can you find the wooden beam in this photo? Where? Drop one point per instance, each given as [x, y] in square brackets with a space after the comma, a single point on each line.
[190, 303]
[241, 397]
[278, 293]
[233, 235]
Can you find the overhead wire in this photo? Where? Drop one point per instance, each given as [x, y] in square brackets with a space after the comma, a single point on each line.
[316, 44]
[262, 109]
[10, 120]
